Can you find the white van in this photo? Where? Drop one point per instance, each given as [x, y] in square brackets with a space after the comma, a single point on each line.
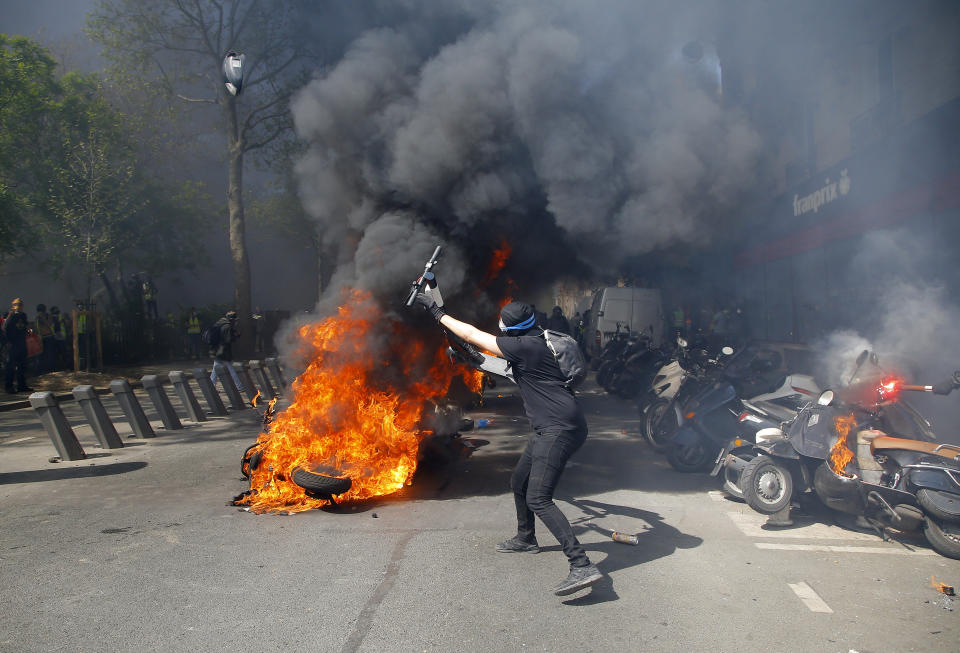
[639, 310]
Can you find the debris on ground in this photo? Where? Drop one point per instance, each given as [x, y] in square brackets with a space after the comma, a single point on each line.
[943, 588]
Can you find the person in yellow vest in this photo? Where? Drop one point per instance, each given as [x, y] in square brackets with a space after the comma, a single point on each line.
[82, 344]
[679, 320]
[150, 299]
[194, 334]
[15, 328]
[44, 325]
[59, 325]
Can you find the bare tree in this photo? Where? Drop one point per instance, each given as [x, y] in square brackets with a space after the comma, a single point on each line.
[179, 46]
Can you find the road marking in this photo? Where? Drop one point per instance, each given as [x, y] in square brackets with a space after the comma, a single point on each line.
[19, 440]
[810, 598]
[751, 524]
[827, 548]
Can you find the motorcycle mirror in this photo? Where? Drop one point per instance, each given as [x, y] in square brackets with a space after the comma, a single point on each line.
[727, 351]
[860, 359]
[233, 72]
[683, 343]
[825, 398]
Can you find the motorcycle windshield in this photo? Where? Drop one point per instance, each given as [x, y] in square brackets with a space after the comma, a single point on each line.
[903, 420]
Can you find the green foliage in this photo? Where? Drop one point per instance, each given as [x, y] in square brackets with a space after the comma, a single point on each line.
[76, 186]
[29, 106]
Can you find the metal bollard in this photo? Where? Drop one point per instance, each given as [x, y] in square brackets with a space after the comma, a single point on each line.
[57, 426]
[264, 381]
[210, 394]
[187, 398]
[92, 407]
[161, 401]
[236, 401]
[274, 366]
[131, 408]
[243, 371]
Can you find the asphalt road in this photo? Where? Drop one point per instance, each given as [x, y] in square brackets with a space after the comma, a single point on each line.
[136, 550]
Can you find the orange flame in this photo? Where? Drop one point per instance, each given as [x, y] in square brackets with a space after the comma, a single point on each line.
[840, 453]
[498, 261]
[255, 400]
[354, 409]
[943, 588]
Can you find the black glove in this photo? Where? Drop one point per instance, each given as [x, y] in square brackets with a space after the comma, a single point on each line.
[944, 387]
[429, 304]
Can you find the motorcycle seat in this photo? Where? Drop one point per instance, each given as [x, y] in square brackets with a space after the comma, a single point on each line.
[885, 442]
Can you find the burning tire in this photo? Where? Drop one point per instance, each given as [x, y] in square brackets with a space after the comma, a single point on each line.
[659, 424]
[943, 537]
[251, 459]
[321, 480]
[767, 487]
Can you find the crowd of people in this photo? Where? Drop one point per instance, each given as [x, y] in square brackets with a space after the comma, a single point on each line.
[40, 344]
[44, 342]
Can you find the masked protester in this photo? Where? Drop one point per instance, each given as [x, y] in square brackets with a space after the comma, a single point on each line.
[559, 430]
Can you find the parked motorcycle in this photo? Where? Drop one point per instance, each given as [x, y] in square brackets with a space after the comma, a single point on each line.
[640, 365]
[903, 483]
[668, 420]
[605, 362]
[690, 364]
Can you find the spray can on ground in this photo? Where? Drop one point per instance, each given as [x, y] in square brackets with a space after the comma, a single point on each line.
[624, 538]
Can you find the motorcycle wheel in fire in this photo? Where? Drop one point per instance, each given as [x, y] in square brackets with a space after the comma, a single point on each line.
[321, 480]
[659, 424]
[251, 459]
[689, 459]
[943, 536]
[766, 485]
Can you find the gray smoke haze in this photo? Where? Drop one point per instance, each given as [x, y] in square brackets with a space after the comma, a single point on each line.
[906, 316]
[581, 134]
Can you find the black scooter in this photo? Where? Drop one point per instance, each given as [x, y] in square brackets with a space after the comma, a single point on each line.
[901, 483]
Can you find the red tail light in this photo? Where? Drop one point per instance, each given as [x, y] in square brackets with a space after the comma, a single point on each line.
[599, 343]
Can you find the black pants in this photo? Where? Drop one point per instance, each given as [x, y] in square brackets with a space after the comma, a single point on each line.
[16, 364]
[533, 483]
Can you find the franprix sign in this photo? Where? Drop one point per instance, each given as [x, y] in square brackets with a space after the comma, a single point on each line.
[829, 192]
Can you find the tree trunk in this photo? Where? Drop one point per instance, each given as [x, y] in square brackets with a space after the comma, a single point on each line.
[238, 243]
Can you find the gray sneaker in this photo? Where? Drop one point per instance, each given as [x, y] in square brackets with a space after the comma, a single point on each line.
[515, 545]
[579, 578]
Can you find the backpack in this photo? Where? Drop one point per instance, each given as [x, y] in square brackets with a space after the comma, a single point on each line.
[569, 358]
[211, 336]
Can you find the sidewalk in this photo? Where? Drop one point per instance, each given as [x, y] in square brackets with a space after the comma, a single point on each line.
[65, 381]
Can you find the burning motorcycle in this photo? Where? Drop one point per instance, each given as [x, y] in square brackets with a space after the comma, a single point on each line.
[891, 482]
